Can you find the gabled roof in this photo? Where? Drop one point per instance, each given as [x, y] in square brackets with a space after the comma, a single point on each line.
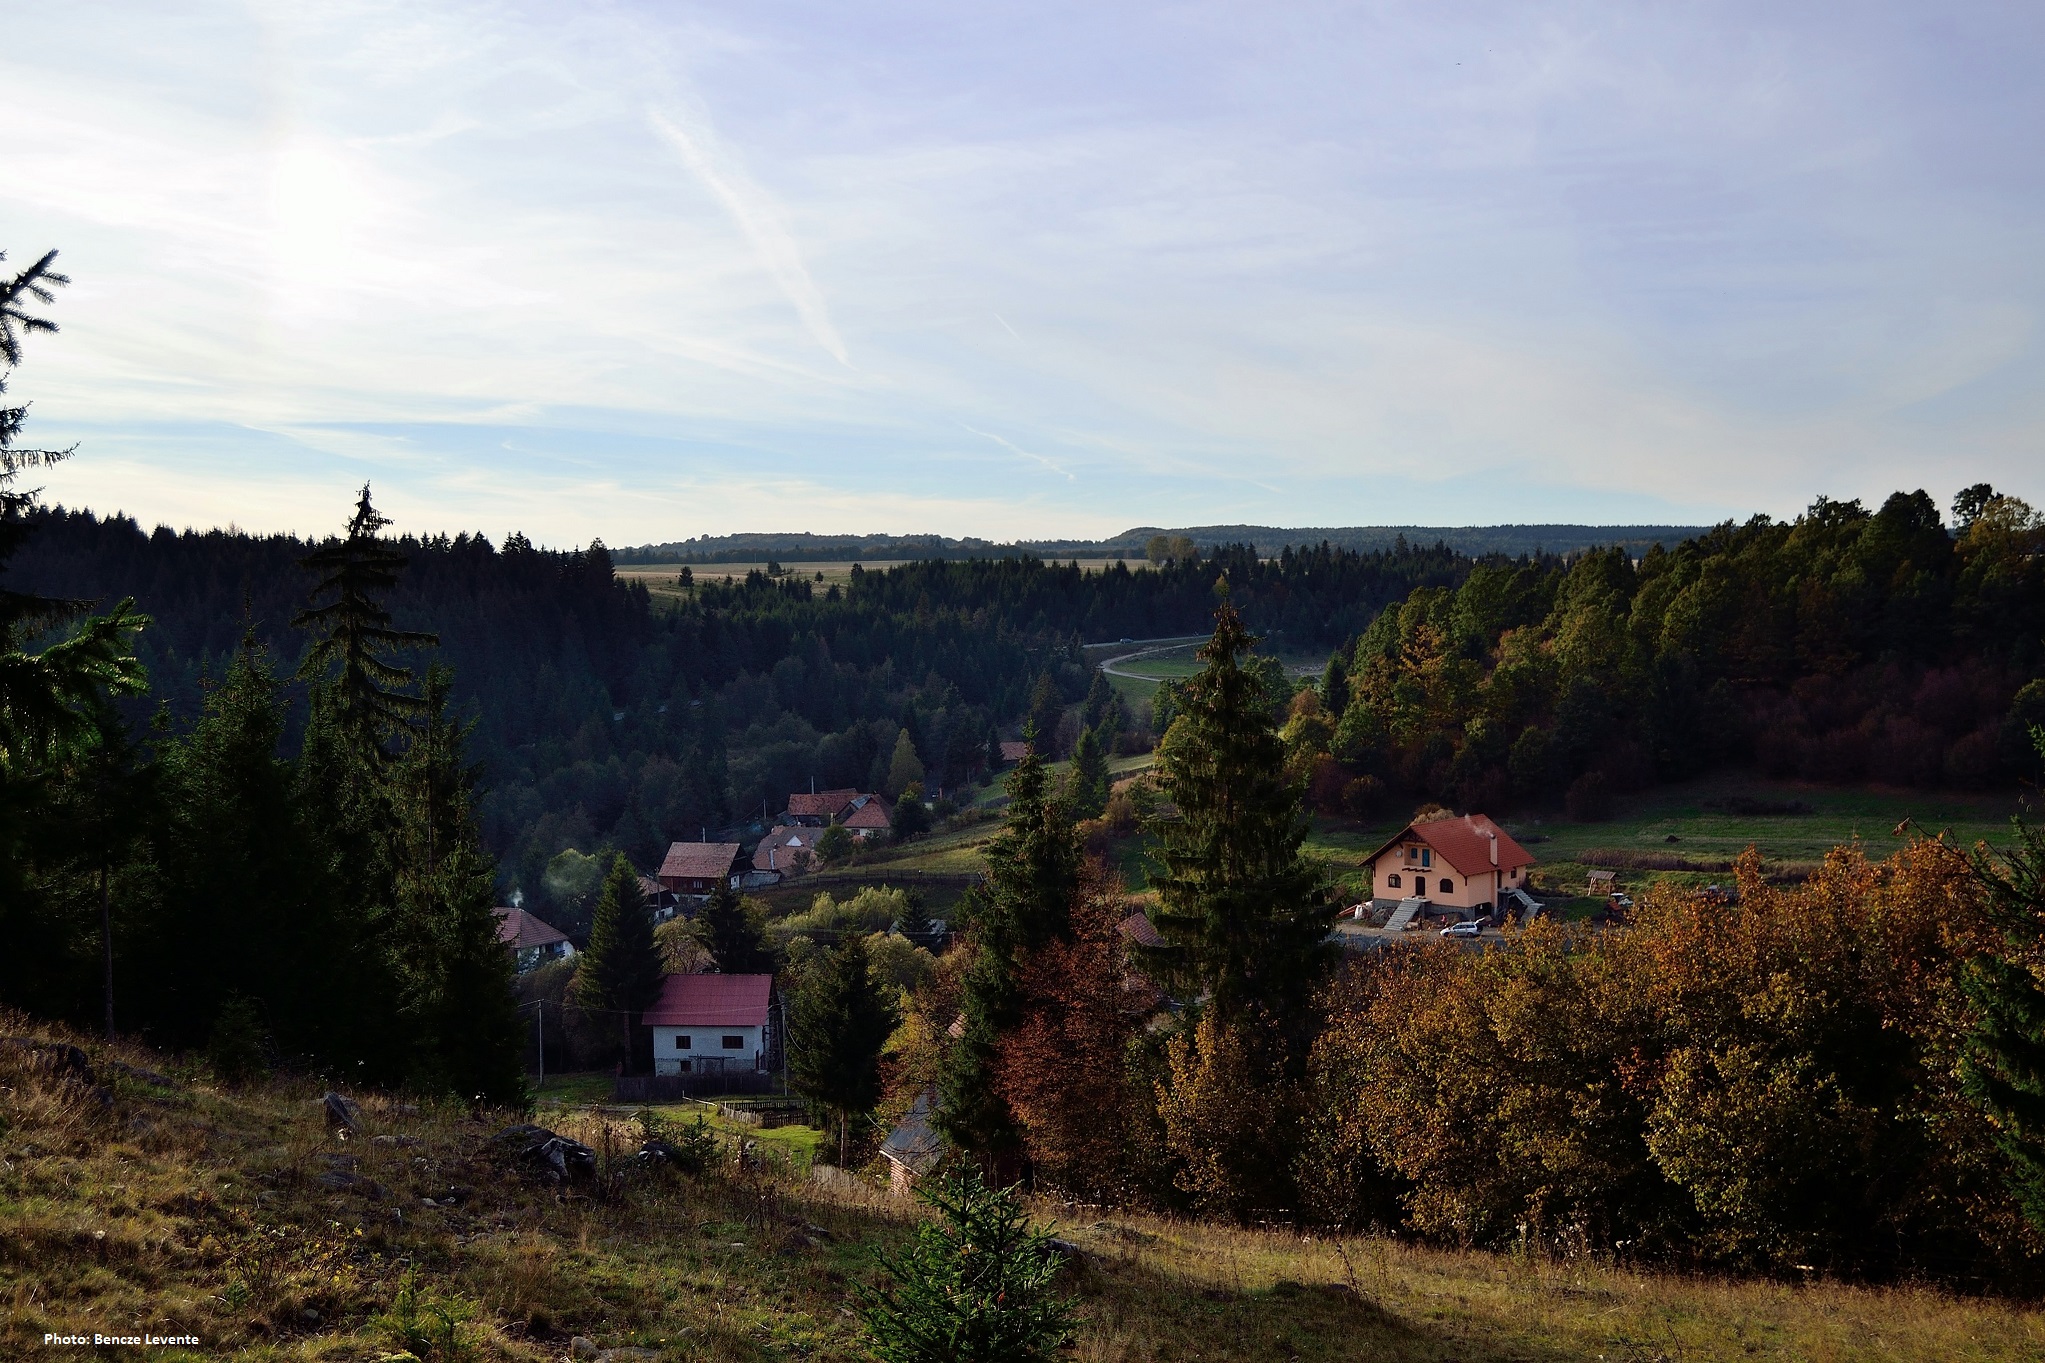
[518, 929]
[1138, 928]
[822, 804]
[711, 1001]
[698, 860]
[913, 1144]
[1015, 751]
[784, 848]
[1465, 844]
[869, 811]
[650, 887]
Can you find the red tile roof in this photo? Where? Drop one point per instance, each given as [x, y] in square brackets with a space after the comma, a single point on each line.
[824, 804]
[785, 849]
[869, 811]
[698, 860]
[711, 1001]
[1014, 752]
[1465, 844]
[518, 929]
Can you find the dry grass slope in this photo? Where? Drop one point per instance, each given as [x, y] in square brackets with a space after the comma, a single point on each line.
[147, 1200]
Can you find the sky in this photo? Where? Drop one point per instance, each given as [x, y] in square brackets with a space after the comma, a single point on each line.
[646, 271]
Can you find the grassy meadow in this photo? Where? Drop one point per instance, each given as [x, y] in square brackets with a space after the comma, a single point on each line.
[1687, 834]
[181, 1207]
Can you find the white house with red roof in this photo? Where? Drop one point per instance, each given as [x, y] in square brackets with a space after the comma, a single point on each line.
[1466, 863]
[711, 1024]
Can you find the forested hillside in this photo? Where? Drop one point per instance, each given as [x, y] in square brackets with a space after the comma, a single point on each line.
[604, 716]
[1846, 645]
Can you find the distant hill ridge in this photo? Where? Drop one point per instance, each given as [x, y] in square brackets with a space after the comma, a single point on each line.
[802, 547]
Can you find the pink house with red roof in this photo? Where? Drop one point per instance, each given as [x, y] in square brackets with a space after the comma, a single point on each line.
[1460, 863]
[711, 1024]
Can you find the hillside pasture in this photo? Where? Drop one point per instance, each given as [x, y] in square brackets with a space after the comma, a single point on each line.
[185, 1208]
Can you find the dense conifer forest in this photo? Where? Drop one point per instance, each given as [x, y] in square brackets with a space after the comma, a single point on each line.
[1846, 645]
[604, 715]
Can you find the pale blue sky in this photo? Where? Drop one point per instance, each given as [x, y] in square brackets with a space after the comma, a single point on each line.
[657, 270]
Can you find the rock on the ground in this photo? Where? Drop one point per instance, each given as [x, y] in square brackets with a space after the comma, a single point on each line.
[342, 1181]
[582, 1346]
[341, 1115]
[558, 1156]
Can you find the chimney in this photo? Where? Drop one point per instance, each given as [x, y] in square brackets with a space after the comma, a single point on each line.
[1494, 849]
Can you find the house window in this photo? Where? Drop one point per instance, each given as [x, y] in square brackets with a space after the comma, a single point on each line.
[682, 1042]
[1392, 881]
[1447, 885]
[734, 1043]
[1427, 856]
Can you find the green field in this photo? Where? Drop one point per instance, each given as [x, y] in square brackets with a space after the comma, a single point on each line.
[590, 1091]
[1642, 825]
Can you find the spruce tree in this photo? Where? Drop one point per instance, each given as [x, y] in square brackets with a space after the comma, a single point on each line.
[2002, 1066]
[353, 638]
[1240, 906]
[1100, 697]
[1032, 874]
[459, 978]
[843, 1016]
[1335, 687]
[1089, 776]
[1047, 707]
[620, 970]
[734, 936]
[249, 908]
[53, 701]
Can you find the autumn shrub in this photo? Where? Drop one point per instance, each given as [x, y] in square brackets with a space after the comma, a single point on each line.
[1766, 1087]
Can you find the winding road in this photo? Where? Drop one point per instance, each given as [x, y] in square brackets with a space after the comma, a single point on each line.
[1150, 646]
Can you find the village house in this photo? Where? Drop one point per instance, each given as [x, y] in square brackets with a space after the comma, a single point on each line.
[692, 870]
[912, 1149]
[786, 851]
[1469, 865]
[868, 816]
[818, 809]
[711, 1024]
[531, 942]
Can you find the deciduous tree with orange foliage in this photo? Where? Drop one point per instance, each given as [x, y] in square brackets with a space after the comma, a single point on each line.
[1772, 1085]
[1064, 1070]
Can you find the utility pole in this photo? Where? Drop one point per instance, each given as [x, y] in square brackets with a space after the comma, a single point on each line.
[540, 1027]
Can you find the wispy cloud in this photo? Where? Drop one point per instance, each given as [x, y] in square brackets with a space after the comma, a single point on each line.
[1016, 449]
[755, 214]
[604, 269]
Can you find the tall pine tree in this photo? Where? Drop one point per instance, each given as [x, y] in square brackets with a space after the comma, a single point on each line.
[1089, 776]
[1032, 875]
[458, 976]
[735, 939]
[354, 641]
[2003, 1064]
[842, 1018]
[620, 970]
[1240, 907]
